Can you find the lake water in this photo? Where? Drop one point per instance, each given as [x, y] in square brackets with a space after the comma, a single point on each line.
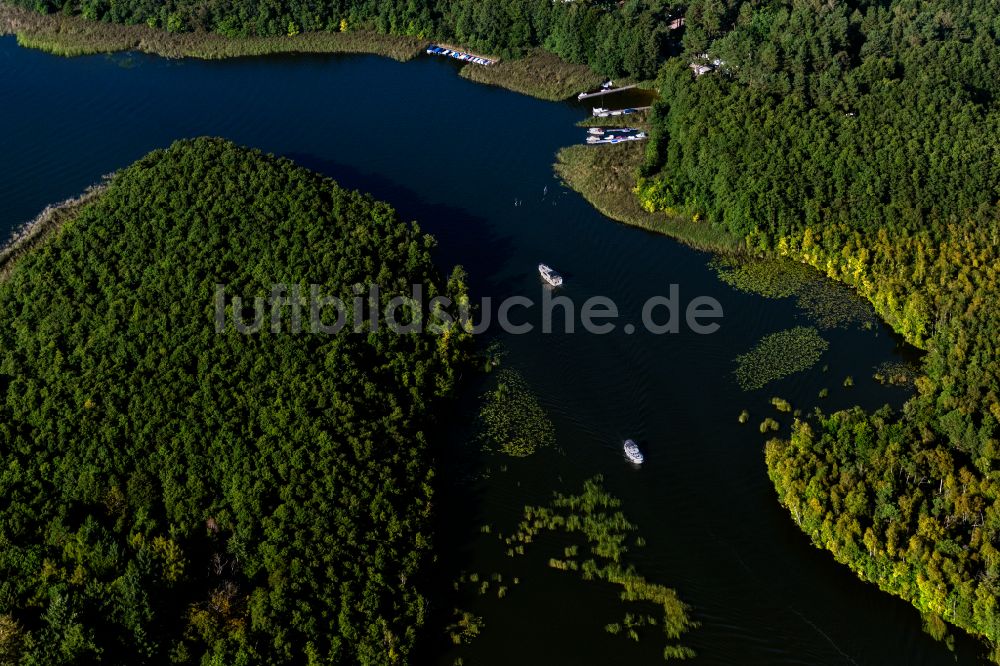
[455, 156]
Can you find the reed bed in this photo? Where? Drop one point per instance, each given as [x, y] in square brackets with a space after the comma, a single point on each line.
[539, 74]
[33, 233]
[606, 177]
[75, 36]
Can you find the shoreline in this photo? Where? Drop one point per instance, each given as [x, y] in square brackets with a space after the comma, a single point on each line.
[538, 74]
[605, 176]
[72, 36]
[33, 233]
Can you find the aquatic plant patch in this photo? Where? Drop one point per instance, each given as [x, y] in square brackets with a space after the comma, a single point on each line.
[596, 515]
[826, 303]
[512, 420]
[778, 355]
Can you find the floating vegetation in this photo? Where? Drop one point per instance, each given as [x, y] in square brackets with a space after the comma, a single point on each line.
[824, 392]
[848, 381]
[895, 373]
[828, 303]
[493, 355]
[631, 625]
[744, 416]
[465, 627]
[781, 404]
[513, 422]
[594, 514]
[779, 355]
[768, 425]
[481, 586]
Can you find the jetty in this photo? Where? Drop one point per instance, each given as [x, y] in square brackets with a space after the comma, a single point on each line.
[605, 91]
[434, 49]
[593, 140]
[600, 112]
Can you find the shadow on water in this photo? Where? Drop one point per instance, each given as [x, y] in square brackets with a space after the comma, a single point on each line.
[458, 234]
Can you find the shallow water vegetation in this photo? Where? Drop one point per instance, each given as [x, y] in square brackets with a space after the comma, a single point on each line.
[781, 404]
[465, 627]
[511, 419]
[768, 425]
[778, 355]
[827, 303]
[595, 515]
[895, 373]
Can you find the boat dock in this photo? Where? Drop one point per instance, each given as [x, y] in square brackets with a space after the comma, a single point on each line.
[599, 135]
[606, 91]
[605, 113]
[434, 49]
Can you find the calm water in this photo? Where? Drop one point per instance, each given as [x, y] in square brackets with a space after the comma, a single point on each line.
[455, 156]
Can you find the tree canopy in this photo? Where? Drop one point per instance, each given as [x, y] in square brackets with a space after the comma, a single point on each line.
[627, 38]
[862, 138]
[175, 493]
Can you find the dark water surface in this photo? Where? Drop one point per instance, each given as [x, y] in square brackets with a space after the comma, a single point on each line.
[455, 156]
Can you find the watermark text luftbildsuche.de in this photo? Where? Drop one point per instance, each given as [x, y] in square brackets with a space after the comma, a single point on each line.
[293, 309]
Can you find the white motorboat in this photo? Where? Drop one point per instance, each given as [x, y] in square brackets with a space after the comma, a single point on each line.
[550, 275]
[632, 452]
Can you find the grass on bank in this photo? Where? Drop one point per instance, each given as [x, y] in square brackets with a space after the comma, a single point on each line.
[539, 74]
[49, 221]
[75, 36]
[606, 175]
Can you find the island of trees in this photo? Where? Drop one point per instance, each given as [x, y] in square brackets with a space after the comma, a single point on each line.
[171, 493]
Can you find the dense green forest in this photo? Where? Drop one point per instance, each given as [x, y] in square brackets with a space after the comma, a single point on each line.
[171, 493]
[626, 38]
[859, 137]
[862, 138]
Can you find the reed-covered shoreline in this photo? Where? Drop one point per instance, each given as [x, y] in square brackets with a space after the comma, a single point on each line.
[606, 177]
[34, 232]
[75, 36]
[539, 74]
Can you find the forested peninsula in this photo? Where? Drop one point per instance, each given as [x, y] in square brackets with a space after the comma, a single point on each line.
[172, 493]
